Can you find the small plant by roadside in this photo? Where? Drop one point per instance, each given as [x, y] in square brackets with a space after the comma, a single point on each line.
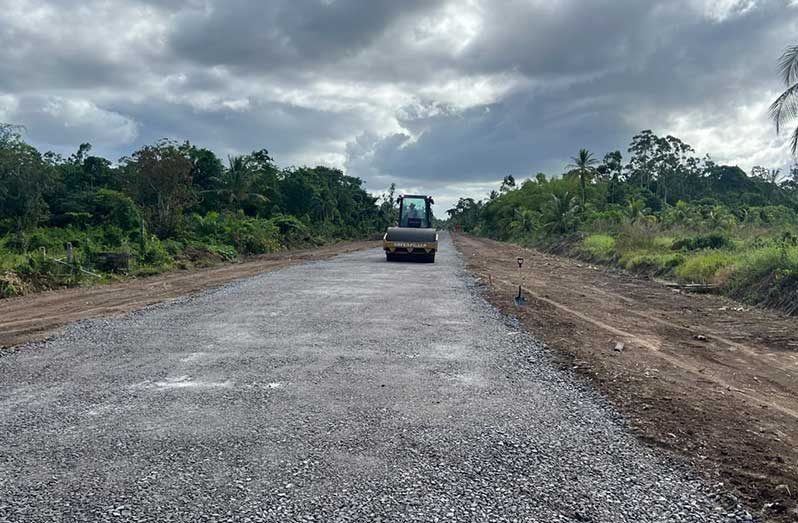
[12, 285]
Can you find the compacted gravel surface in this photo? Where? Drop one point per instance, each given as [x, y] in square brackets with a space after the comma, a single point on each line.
[343, 390]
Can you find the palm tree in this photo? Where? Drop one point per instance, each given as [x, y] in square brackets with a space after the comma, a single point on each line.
[560, 214]
[785, 108]
[524, 221]
[237, 183]
[584, 166]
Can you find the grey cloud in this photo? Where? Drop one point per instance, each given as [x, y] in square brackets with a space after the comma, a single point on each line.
[578, 74]
[259, 37]
[591, 68]
[522, 134]
[61, 123]
[285, 129]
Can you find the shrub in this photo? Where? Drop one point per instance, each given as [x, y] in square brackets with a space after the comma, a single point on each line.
[709, 241]
[638, 236]
[226, 252]
[12, 285]
[763, 268]
[246, 235]
[292, 229]
[663, 242]
[113, 208]
[173, 247]
[653, 263]
[155, 254]
[599, 247]
[254, 236]
[113, 236]
[702, 268]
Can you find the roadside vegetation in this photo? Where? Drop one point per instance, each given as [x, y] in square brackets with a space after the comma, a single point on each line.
[663, 211]
[64, 221]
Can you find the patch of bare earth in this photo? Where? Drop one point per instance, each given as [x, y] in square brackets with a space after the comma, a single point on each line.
[37, 316]
[711, 381]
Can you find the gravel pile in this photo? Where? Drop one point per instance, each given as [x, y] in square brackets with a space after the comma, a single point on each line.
[344, 390]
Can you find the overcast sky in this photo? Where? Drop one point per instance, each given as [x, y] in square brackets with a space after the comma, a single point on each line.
[440, 96]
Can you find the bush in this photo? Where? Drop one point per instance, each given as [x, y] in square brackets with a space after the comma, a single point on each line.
[292, 229]
[12, 285]
[155, 254]
[760, 270]
[709, 241]
[768, 275]
[246, 235]
[653, 263]
[702, 268]
[226, 252]
[173, 247]
[598, 247]
[638, 236]
[113, 208]
[663, 242]
[254, 236]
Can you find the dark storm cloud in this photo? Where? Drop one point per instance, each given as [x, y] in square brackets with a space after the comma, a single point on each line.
[590, 67]
[522, 134]
[259, 37]
[429, 93]
[286, 128]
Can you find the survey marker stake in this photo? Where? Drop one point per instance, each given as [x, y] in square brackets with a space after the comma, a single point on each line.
[520, 300]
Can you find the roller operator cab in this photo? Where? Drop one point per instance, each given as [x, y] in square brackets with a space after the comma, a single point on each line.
[415, 239]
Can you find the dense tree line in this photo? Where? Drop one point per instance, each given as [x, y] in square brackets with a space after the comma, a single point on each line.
[662, 210]
[663, 181]
[170, 201]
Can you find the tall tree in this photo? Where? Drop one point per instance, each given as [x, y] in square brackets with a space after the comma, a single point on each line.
[584, 165]
[612, 166]
[508, 184]
[158, 178]
[237, 184]
[785, 108]
[24, 176]
[206, 167]
[465, 214]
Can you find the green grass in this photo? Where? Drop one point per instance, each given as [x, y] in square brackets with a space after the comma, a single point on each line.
[9, 260]
[762, 272]
[759, 263]
[651, 263]
[598, 247]
[663, 242]
[755, 266]
[704, 267]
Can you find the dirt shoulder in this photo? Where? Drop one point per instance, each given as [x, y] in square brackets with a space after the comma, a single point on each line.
[712, 381]
[37, 316]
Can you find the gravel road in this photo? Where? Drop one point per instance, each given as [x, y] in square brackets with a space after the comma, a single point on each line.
[342, 390]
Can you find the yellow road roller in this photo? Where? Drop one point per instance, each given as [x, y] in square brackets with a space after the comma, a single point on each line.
[415, 238]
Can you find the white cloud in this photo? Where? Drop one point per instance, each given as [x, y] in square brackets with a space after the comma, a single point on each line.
[8, 107]
[720, 10]
[745, 137]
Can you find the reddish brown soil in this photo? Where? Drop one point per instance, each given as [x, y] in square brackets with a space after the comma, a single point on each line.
[711, 381]
[37, 316]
